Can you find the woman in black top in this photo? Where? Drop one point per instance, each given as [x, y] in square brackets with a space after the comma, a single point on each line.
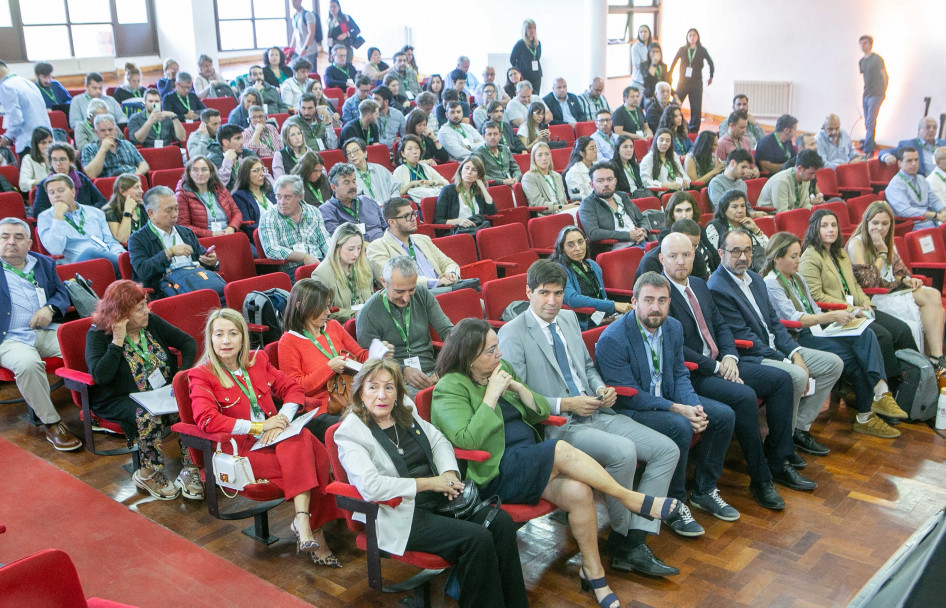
[275, 70]
[342, 29]
[627, 170]
[311, 168]
[124, 212]
[672, 120]
[468, 192]
[62, 159]
[435, 86]
[526, 55]
[431, 152]
[691, 57]
[654, 70]
[253, 194]
[127, 351]
[701, 164]
[132, 88]
[513, 76]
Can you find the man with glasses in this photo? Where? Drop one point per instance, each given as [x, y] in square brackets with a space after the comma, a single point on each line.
[608, 214]
[835, 145]
[111, 156]
[261, 137]
[362, 91]
[292, 231]
[183, 101]
[925, 144]
[489, 77]
[154, 127]
[742, 298]
[606, 140]
[341, 73]
[434, 269]
[374, 181]
[347, 206]
[61, 162]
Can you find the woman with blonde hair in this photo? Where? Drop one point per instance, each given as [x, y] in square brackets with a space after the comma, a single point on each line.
[232, 392]
[466, 201]
[346, 271]
[544, 187]
[125, 212]
[131, 88]
[527, 54]
[876, 263]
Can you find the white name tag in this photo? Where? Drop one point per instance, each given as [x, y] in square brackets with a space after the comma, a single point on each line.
[361, 227]
[657, 387]
[926, 244]
[350, 82]
[466, 142]
[413, 362]
[98, 242]
[321, 143]
[408, 94]
[688, 73]
[640, 133]
[597, 317]
[189, 121]
[217, 226]
[850, 300]
[41, 296]
[156, 380]
[265, 108]
[159, 143]
[353, 365]
[535, 65]
[357, 307]
[300, 248]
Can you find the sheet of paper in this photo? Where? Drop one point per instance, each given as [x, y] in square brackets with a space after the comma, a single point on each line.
[834, 330]
[158, 402]
[377, 350]
[295, 427]
[926, 244]
[811, 388]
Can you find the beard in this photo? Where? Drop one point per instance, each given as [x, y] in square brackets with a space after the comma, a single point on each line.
[653, 321]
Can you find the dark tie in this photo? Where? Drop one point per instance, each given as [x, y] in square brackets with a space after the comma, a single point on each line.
[561, 356]
[701, 323]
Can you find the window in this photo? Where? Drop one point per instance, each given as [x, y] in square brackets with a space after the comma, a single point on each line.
[59, 29]
[624, 19]
[252, 24]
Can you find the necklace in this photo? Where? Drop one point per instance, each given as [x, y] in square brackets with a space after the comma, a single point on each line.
[397, 442]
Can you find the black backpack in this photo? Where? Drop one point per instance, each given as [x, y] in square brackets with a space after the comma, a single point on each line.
[265, 308]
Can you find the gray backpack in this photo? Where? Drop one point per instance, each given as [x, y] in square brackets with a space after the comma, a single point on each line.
[918, 390]
[265, 308]
[83, 298]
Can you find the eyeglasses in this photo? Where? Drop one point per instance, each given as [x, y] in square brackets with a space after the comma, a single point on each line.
[406, 216]
[738, 253]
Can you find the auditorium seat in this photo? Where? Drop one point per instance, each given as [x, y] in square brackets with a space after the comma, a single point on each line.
[168, 157]
[618, 269]
[508, 246]
[188, 312]
[224, 105]
[544, 230]
[98, 272]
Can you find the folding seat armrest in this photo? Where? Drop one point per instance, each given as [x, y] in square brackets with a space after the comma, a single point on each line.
[555, 421]
[257, 329]
[76, 376]
[268, 262]
[831, 306]
[471, 455]
[929, 265]
[349, 491]
[790, 324]
[743, 343]
[614, 291]
[192, 430]
[875, 291]
[690, 365]
[625, 391]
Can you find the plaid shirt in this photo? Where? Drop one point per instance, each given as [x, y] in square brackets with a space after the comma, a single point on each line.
[269, 141]
[278, 234]
[125, 158]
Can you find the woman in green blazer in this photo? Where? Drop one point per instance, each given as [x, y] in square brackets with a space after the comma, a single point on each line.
[480, 404]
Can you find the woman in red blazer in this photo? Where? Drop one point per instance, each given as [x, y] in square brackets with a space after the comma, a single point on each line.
[232, 392]
[204, 205]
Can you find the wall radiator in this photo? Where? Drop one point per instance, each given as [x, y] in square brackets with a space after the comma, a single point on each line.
[769, 99]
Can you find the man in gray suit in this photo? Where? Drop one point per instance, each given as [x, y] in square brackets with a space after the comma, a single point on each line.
[545, 348]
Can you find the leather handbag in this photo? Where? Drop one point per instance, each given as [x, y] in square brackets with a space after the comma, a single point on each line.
[232, 470]
[339, 392]
[468, 504]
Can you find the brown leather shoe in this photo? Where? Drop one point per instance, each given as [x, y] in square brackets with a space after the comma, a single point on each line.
[61, 438]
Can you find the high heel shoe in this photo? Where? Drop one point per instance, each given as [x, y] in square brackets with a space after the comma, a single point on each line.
[329, 561]
[588, 584]
[666, 511]
[307, 546]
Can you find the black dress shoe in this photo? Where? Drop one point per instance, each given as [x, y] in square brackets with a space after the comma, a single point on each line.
[765, 494]
[806, 443]
[641, 560]
[797, 461]
[788, 476]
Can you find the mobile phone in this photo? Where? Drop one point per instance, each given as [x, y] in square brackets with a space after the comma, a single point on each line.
[210, 250]
[543, 126]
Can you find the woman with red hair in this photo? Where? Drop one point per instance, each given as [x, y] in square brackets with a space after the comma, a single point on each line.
[127, 350]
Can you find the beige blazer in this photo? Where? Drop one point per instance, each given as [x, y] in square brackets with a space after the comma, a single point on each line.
[341, 295]
[387, 247]
[824, 280]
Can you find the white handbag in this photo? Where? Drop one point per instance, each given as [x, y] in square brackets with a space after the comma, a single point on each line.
[232, 470]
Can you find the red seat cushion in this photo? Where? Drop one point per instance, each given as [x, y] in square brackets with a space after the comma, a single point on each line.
[523, 513]
[427, 561]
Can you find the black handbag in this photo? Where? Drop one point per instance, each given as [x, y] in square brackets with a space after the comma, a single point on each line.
[468, 504]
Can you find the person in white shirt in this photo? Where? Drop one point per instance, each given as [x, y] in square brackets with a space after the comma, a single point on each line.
[661, 167]
[605, 138]
[458, 138]
[517, 110]
[292, 89]
[937, 178]
[835, 145]
[577, 178]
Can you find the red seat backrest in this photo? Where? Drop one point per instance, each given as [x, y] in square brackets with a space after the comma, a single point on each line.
[235, 292]
[706, 218]
[167, 177]
[925, 246]
[99, 272]
[590, 338]
[234, 254]
[428, 206]
[305, 271]
[704, 202]
[280, 118]
[181, 387]
[12, 173]
[754, 189]
[544, 230]
[827, 181]
[58, 120]
[502, 197]
[188, 312]
[11, 205]
[47, 579]
[332, 158]
[500, 241]
[619, 267]
[71, 336]
[272, 353]
[168, 157]
[380, 154]
[423, 400]
[124, 266]
[641, 148]
[858, 205]
[881, 172]
[461, 248]
[767, 225]
[563, 132]
[501, 293]
[519, 195]
[900, 243]
[523, 160]
[794, 221]
[855, 175]
[105, 185]
[224, 105]
[560, 158]
[335, 93]
[461, 304]
[840, 209]
[447, 170]
[586, 127]
[648, 202]
[340, 473]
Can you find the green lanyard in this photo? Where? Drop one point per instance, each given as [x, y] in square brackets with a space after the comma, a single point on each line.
[593, 279]
[141, 348]
[417, 175]
[354, 210]
[847, 290]
[799, 192]
[467, 197]
[262, 202]
[156, 129]
[352, 285]
[366, 177]
[255, 410]
[550, 181]
[209, 203]
[691, 53]
[384, 123]
[81, 226]
[49, 93]
[794, 286]
[28, 276]
[187, 103]
[678, 144]
[532, 50]
[671, 169]
[940, 176]
[266, 138]
[923, 145]
[499, 158]
[632, 114]
[319, 346]
[655, 355]
[405, 330]
[160, 238]
[459, 131]
[366, 132]
[782, 146]
[916, 190]
[631, 178]
[316, 192]
[410, 249]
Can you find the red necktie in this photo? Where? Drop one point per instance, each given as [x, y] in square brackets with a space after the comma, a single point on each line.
[701, 323]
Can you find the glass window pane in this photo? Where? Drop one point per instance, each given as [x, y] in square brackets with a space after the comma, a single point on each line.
[93, 40]
[131, 11]
[47, 42]
[648, 20]
[90, 11]
[615, 26]
[37, 12]
[236, 35]
[270, 32]
[5, 20]
[269, 8]
[234, 9]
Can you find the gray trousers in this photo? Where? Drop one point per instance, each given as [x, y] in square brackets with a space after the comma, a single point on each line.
[825, 368]
[26, 363]
[617, 443]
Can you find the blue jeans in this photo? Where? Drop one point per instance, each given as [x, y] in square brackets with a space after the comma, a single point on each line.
[871, 110]
[94, 253]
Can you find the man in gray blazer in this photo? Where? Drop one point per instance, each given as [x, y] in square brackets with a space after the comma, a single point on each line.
[545, 348]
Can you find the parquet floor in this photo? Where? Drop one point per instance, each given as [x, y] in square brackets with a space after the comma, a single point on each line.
[818, 552]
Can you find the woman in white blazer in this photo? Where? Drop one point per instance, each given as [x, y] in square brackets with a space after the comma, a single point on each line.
[389, 452]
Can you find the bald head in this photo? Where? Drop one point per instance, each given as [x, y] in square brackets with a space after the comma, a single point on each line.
[676, 255]
[927, 130]
[832, 126]
[560, 88]
[596, 88]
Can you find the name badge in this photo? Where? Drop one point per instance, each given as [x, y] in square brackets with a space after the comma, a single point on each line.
[217, 226]
[408, 94]
[300, 248]
[688, 73]
[321, 143]
[466, 142]
[657, 387]
[156, 379]
[639, 133]
[850, 300]
[357, 307]
[98, 241]
[41, 296]
[413, 362]
[361, 228]
[350, 82]
[189, 121]
[597, 317]
[535, 65]
[265, 108]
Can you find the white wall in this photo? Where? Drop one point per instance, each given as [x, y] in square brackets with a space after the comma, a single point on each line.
[813, 43]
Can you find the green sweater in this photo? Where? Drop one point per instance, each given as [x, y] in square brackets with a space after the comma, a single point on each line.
[459, 413]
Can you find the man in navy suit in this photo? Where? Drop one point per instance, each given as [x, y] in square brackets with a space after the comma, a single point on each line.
[720, 375]
[565, 107]
[31, 298]
[925, 143]
[743, 300]
[644, 351]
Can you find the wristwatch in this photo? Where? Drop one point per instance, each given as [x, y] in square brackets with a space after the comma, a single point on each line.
[126, 214]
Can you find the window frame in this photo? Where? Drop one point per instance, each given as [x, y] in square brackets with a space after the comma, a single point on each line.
[252, 19]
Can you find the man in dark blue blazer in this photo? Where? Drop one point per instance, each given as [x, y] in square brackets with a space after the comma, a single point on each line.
[925, 142]
[708, 343]
[644, 351]
[743, 300]
[162, 245]
[565, 107]
[31, 298]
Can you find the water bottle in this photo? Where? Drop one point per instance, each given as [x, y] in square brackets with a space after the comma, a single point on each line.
[941, 410]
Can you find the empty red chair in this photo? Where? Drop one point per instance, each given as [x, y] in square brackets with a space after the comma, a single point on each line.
[648, 202]
[428, 208]
[544, 230]
[506, 206]
[827, 181]
[168, 157]
[618, 269]
[11, 205]
[234, 254]
[508, 246]
[563, 132]
[105, 185]
[332, 158]
[167, 177]
[499, 294]
[336, 94]
[59, 120]
[188, 312]
[794, 221]
[461, 248]
[926, 252]
[380, 154]
[98, 272]
[12, 173]
[767, 225]
[523, 160]
[586, 127]
[560, 158]
[854, 179]
[881, 173]
[858, 205]
[279, 118]
[305, 271]
[447, 170]
[224, 105]
[754, 189]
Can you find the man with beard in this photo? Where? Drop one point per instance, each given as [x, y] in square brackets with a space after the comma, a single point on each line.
[458, 138]
[644, 351]
[317, 124]
[347, 206]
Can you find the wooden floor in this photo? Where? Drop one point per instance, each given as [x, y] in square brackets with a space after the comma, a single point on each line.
[818, 552]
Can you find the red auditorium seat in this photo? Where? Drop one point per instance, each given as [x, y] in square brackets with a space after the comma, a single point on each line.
[188, 312]
[508, 246]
